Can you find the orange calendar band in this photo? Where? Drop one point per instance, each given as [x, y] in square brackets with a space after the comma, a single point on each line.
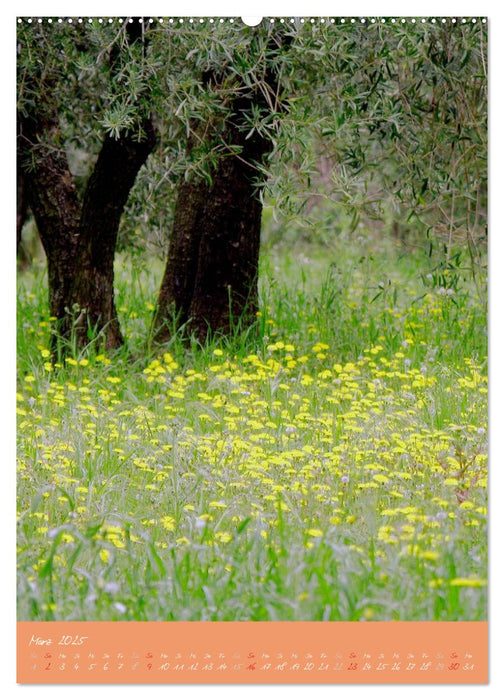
[252, 652]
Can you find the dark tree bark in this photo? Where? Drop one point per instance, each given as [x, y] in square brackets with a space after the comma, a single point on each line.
[54, 201]
[225, 287]
[210, 280]
[79, 238]
[177, 287]
[104, 200]
[21, 214]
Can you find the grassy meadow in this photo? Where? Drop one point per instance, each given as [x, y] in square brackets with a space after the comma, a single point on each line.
[329, 466]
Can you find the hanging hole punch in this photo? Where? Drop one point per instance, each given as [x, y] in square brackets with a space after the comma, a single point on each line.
[251, 21]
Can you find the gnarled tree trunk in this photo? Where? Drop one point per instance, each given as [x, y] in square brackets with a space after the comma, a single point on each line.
[177, 287]
[21, 216]
[79, 238]
[210, 280]
[104, 200]
[54, 201]
[224, 295]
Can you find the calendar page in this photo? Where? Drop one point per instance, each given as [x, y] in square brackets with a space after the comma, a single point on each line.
[252, 349]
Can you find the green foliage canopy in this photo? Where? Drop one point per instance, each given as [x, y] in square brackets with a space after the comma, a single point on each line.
[396, 111]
